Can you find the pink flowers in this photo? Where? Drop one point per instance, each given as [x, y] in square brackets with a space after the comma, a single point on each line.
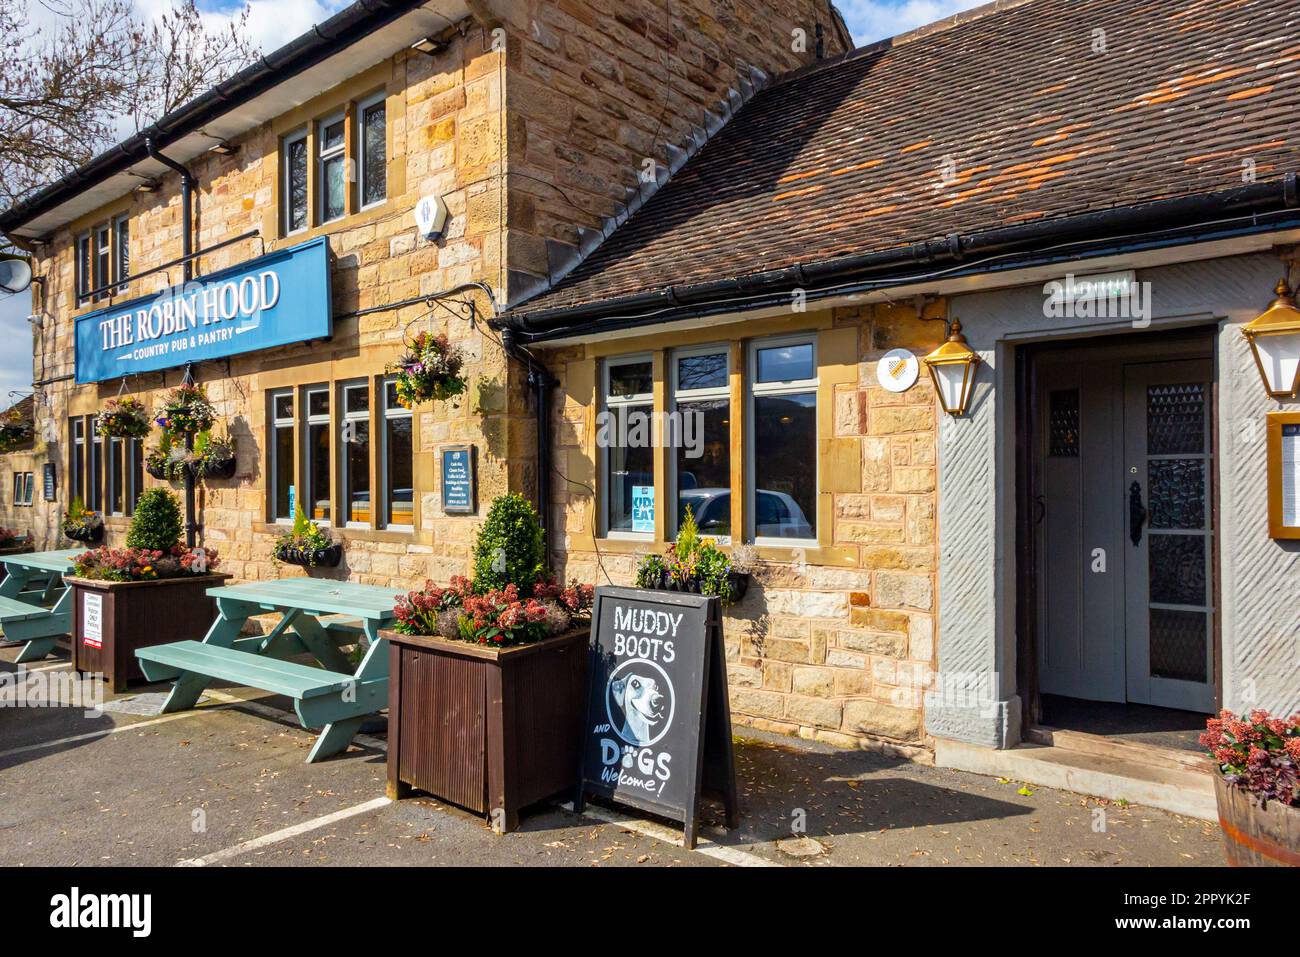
[499, 616]
[142, 564]
[1258, 753]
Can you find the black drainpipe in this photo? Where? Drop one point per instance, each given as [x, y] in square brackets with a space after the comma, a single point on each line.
[541, 382]
[187, 248]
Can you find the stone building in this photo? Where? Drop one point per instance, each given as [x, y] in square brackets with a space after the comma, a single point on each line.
[721, 207]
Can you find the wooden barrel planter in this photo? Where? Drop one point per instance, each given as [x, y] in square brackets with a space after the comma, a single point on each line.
[110, 620]
[1255, 836]
[492, 730]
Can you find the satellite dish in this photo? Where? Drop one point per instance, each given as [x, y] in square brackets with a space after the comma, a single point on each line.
[15, 275]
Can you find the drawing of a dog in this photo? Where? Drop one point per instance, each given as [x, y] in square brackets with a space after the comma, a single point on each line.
[639, 697]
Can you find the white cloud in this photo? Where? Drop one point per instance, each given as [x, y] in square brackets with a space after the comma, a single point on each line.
[872, 20]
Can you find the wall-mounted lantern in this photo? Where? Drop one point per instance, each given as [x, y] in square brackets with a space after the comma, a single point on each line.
[1274, 337]
[952, 366]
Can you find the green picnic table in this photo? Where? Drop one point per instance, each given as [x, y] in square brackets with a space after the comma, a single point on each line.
[35, 605]
[316, 616]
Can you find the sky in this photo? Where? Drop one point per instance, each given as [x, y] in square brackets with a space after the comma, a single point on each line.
[273, 23]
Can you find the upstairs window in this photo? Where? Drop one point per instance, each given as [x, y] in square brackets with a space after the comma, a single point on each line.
[122, 249]
[83, 266]
[295, 182]
[103, 253]
[331, 167]
[374, 152]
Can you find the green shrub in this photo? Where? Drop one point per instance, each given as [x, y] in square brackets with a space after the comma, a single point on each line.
[508, 548]
[157, 523]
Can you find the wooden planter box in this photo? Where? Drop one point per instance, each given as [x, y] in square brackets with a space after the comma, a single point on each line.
[1255, 836]
[17, 550]
[136, 615]
[490, 729]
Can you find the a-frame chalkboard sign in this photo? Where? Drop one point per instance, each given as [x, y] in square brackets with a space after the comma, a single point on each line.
[658, 728]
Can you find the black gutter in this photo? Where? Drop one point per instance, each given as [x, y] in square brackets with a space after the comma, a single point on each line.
[1163, 222]
[320, 42]
[187, 205]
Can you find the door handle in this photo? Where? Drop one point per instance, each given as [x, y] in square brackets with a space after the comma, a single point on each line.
[1137, 513]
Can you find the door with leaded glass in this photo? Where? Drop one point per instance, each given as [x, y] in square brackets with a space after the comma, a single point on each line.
[1169, 534]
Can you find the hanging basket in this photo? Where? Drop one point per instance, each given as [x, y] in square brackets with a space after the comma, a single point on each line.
[186, 411]
[216, 468]
[124, 418]
[328, 556]
[84, 533]
[430, 371]
[15, 435]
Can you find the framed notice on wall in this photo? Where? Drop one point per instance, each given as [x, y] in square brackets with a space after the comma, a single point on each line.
[1284, 475]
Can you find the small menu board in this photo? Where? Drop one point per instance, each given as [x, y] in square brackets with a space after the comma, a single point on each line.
[1284, 475]
[658, 729]
[48, 482]
[458, 491]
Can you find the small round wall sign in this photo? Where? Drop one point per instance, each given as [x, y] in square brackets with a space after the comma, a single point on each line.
[897, 370]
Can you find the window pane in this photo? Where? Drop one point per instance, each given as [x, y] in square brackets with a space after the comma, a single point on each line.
[375, 186]
[630, 378]
[357, 467]
[298, 184]
[137, 473]
[318, 471]
[390, 396]
[101, 257]
[30, 489]
[123, 248]
[76, 459]
[95, 499]
[785, 363]
[116, 477]
[283, 405]
[704, 465]
[702, 372]
[283, 470]
[397, 446]
[334, 185]
[356, 398]
[785, 473]
[630, 465]
[318, 403]
[332, 136]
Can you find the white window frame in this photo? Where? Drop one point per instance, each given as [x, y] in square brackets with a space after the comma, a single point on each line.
[675, 394]
[102, 253]
[278, 422]
[362, 162]
[19, 482]
[324, 155]
[394, 411]
[308, 449]
[116, 451]
[84, 266]
[286, 182]
[792, 387]
[121, 252]
[29, 486]
[607, 404]
[344, 498]
[78, 426]
[95, 472]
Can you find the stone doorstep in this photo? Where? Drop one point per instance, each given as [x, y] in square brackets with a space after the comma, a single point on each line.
[1120, 775]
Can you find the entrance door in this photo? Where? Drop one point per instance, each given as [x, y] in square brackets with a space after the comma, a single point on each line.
[1122, 525]
[1169, 579]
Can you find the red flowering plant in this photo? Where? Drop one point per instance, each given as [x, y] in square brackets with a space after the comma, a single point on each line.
[1258, 754]
[497, 616]
[8, 537]
[502, 617]
[143, 564]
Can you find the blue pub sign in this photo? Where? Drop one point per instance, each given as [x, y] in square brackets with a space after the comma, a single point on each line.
[274, 300]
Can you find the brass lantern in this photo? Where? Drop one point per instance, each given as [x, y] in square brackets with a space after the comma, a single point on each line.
[952, 366]
[1274, 337]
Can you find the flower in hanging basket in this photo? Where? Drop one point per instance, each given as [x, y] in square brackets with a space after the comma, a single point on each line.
[15, 432]
[82, 524]
[429, 371]
[125, 418]
[186, 411]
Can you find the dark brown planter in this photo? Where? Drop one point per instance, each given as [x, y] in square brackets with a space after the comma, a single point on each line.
[1255, 836]
[136, 615]
[490, 729]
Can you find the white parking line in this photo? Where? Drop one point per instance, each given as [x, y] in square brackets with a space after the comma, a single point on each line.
[731, 855]
[283, 834]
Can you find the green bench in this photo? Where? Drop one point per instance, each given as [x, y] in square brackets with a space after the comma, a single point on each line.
[35, 580]
[316, 616]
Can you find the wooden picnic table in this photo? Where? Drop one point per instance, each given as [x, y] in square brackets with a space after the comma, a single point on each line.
[35, 605]
[316, 615]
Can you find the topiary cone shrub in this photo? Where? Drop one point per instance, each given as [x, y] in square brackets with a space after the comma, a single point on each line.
[509, 549]
[157, 523]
